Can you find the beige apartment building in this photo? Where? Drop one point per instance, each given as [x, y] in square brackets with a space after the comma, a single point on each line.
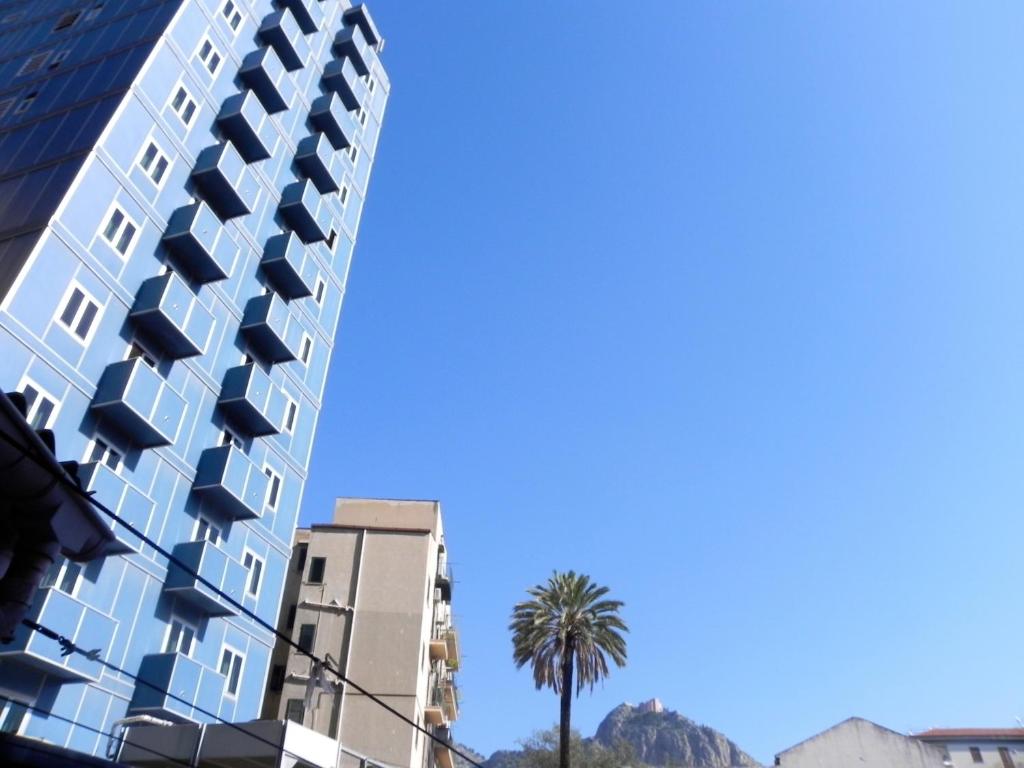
[371, 592]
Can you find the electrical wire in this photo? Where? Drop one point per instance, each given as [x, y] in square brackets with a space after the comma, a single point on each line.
[75, 488]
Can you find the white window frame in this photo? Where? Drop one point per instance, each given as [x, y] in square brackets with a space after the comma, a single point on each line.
[371, 84]
[26, 103]
[234, 655]
[319, 291]
[273, 474]
[58, 58]
[35, 62]
[291, 407]
[107, 449]
[253, 575]
[6, 705]
[229, 437]
[72, 327]
[186, 99]
[33, 409]
[125, 222]
[155, 162]
[62, 571]
[201, 534]
[362, 116]
[213, 54]
[353, 153]
[306, 349]
[343, 194]
[229, 11]
[185, 624]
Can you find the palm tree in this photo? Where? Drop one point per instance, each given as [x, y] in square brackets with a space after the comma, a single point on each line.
[567, 627]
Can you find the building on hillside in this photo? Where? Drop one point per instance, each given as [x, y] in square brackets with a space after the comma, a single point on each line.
[181, 182]
[651, 705]
[973, 747]
[372, 591]
[858, 743]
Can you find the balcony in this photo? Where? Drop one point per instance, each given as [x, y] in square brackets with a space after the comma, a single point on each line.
[83, 625]
[304, 212]
[243, 119]
[359, 15]
[444, 583]
[289, 265]
[281, 30]
[210, 562]
[450, 699]
[250, 401]
[270, 329]
[340, 76]
[318, 160]
[197, 241]
[225, 180]
[228, 479]
[442, 752]
[167, 311]
[442, 704]
[307, 14]
[451, 639]
[438, 647]
[139, 404]
[331, 117]
[177, 674]
[263, 71]
[350, 42]
[116, 493]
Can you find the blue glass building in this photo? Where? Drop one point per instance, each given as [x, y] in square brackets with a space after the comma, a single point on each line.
[181, 182]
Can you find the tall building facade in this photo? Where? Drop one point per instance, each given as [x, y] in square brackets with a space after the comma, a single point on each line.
[371, 591]
[181, 182]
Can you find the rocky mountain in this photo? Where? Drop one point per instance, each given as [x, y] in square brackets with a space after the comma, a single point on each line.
[662, 737]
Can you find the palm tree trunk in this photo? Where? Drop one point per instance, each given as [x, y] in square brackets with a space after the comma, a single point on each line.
[564, 728]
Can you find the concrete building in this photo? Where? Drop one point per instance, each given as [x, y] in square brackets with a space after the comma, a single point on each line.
[181, 182]
[371, 591]
[858, 743]
[973, 747]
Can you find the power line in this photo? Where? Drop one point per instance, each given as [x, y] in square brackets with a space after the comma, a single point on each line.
[75, 488]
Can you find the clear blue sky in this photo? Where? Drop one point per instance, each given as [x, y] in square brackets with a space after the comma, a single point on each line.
[723, 304]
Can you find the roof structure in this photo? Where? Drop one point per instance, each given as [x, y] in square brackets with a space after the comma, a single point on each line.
[971, 734]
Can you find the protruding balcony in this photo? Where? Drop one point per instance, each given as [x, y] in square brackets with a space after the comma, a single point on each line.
[359, 14]
[449, 699]
[442, 752]
[196, 239]
[167, 311]
[350, 42]
[86, 627]
[214, 565]
[139, 404]
[225, 180]
[444, 583]
[340, 76]
[451, 639]
[250, 400]
[270, 328]
[116, 493]
[177, 674]
[438, 648]
[281, 30]
[228, 479]
[330, 116]
[263, 71]
[243, 119]
[307, 13]
[302, 208]
[289, 265]
[320, 162]
[443, 702]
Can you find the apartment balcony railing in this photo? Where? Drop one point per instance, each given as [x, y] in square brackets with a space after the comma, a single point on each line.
[230, 481]
[438, 646]
[225, 180]
[443, 700]
[117, 494]
[360, 15]
[245, 121]
[443, 581]
[270, 329]
[168, 312]
[139, 403]
[304, 211]
[281, 29]
[86, 627]
[320, 162]
[352, 43]
[214, 565]
[197, 241]
[250, 401]
[307, 13]
[330, 116]
[264, 72]
[289, 265]
[341, 77]
[451, 640]
[177, 674]
[443, 756]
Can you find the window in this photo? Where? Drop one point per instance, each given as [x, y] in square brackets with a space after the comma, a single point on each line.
[100, 452]
[35, 62]
[183, 104]
[361, 116]
[180, 635]
[119, 230]
[316, 570]
[79, 312]
[137, 350]
[255, 567]
[231, 668]
[343, 194]
[25, 103]
[58, 58]
[291, 412]
[209, 55]
[154, 162]
[206, 531]
[66, 21]
[39, 405]
[230, 438]
[1004, 755]
[321, 286]
[300, 563]
[290, 623]
[277, 677]
[12, 715]
[294, 711]
[306, 349]
[64, 576]
[307, 636]
[371, 84]
[976, 754]
[273, 488]
[353, 153]
[230, 12]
